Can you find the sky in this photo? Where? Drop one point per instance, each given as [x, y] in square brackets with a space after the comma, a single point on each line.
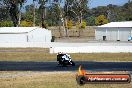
[95, 3]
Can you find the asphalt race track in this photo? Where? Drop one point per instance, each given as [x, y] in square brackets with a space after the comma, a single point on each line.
[52, 66]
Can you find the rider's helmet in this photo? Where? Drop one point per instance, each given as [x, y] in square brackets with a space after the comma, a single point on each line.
[59, 53]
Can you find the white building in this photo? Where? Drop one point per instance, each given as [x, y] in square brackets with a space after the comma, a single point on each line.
[115, 31]
[24, 34]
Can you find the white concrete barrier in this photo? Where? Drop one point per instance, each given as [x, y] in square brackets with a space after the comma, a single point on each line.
[56, 47]
[93, 49]
[24, 45]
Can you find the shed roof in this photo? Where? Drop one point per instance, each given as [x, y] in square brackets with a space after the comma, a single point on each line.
[17, 29]
[118, 24]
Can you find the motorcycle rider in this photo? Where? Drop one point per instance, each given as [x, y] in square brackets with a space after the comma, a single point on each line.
[66, 57]
[62, 57]
[59, 57]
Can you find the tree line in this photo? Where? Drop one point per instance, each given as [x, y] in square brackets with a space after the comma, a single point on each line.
[52, 13]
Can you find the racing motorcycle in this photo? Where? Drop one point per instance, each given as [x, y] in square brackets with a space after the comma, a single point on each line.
[64, 60]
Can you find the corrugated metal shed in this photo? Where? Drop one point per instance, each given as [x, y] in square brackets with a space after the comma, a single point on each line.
[24, 34]
[16, 29]
[114, 31]
[118, 24]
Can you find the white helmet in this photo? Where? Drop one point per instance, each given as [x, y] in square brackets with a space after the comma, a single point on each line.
[60, 53]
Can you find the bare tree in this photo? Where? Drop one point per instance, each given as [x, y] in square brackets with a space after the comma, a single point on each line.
[34, 13]
[57, 2]
[42, 9]
[78, 8]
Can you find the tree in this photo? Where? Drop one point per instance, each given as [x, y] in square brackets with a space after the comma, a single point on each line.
[100, 20]
[74, 9]
[28, 15]
[80, 7]
[34, 12]
[14, 9]
[26, 24]
[80, 29]
[90, 20]
[83, 24]
[128, 11]
[55, 15]
[4, 16]
[42, 9]
[112, 11]
[6, 24]
[69, 24]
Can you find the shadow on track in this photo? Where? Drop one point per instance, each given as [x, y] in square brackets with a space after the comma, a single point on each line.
[52, 66]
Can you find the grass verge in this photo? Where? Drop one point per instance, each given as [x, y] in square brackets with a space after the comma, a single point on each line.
[50, 80]
[42, 54]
